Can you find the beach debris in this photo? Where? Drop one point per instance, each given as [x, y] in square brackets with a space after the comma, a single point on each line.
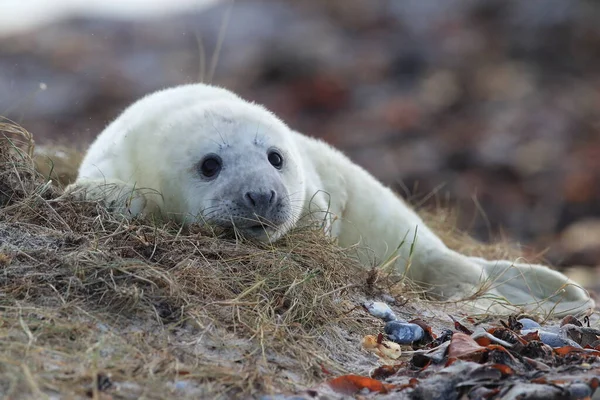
[380, 310]
[403, 332]
[383, 349]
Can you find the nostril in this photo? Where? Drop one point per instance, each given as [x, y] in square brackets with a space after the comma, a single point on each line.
[249, 198]
[273, 197]
[260, 200]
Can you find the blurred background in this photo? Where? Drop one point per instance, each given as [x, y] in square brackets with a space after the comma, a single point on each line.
[487, 107]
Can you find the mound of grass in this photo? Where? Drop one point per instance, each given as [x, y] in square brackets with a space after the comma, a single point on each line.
[95, 306]
[92, 303]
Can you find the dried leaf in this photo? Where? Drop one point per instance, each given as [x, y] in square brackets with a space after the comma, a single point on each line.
[351, 384]
[444, 337]
[513, 324]
[588, 336]
[483, 341]
[505, 369]
[561, 351]
[435, 356]
[429, 335]
[385, 371]
[460, 327]
[569, 319]
[465, 347]
[498, 347]
[537, 364]
[507, 335]
[412, 383]
[531, 336]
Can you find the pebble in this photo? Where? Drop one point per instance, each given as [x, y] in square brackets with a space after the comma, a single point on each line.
[380, 310]
[529, 323]
[403, 332]
[579, 390]
[552, 339]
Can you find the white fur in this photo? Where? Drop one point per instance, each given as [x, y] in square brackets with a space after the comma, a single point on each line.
[146, 162]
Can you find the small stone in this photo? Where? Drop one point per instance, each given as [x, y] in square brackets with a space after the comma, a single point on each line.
[552, 339]
[529, 324]
[380, 310]
[403, 332]
[580, 391]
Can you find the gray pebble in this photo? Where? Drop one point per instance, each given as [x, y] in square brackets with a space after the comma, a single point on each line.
[380, 310]
[529, 323]
[403, 332]
[552, 339]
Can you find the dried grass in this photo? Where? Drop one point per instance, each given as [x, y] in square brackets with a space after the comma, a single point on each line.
[159, 310]
[93, 306]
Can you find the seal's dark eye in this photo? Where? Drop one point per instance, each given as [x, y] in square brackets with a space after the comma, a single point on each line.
[275, 159]
[210, 166]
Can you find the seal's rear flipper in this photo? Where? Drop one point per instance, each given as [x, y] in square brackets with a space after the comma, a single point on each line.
[535, 288]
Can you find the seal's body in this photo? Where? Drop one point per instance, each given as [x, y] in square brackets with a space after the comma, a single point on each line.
[198, 153]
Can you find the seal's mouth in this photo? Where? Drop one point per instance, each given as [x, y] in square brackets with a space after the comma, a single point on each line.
[258, 230]
[254, 229]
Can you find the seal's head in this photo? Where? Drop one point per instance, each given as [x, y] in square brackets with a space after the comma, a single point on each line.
[235, 166]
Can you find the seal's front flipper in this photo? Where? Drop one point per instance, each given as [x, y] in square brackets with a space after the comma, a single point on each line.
[535, 288]
[117, 196]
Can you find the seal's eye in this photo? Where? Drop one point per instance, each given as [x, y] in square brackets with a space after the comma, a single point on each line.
[275, 159]
[210, 166]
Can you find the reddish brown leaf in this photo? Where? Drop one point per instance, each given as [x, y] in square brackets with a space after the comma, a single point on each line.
[351, 384]
[450, 361]
[531, 336]
[385, 371]
[483, 341]
[498, 347]
[490, 393]
[561, 351]
[507, 335]
[412, 383]
[540, 380]
[569, 319]
[513, 324]
[465, 347]
[380, 338]
[460, 327]
[505, 369]
[500, 354]
[429, 335]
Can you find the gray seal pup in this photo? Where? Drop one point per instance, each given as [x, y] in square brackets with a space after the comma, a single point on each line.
[201, 154]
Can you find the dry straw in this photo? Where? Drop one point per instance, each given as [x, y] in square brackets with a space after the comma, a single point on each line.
[93, 305]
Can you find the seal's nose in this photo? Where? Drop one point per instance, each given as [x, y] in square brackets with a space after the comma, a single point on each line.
[260, 201]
